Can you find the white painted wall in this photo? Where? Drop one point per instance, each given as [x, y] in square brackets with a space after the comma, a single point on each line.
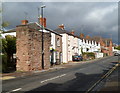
[84, 46]
[80, 44]
[98, 55]
[65, 47]
[70, 44]
[53, 45]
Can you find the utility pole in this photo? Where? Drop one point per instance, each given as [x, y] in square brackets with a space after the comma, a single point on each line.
[38, 15]
[42, 36]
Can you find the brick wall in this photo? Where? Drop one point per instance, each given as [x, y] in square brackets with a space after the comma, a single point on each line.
[28, 46]
[109, 48]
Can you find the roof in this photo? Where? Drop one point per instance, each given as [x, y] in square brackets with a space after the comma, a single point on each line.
[106, 41]
[36, 26]
[96, 38]
[62, 31]
[10, 31]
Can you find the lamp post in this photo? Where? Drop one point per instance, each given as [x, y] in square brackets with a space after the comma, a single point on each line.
[43, 6]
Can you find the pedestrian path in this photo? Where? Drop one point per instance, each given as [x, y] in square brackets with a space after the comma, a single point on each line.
[113, 81]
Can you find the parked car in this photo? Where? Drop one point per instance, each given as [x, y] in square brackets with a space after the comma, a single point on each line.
[77, 58]
[116, 54]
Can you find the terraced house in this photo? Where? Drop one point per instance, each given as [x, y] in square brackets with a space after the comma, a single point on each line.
[69, 43]
[73, 44]
[59, 45]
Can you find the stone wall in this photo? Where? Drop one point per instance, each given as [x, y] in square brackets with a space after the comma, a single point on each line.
[29, 51]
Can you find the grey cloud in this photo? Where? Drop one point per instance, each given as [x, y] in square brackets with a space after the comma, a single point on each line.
[72, 15]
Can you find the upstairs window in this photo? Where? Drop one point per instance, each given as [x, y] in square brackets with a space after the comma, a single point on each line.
[58, 42]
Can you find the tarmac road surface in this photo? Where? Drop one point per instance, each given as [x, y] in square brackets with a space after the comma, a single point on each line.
[79, 77]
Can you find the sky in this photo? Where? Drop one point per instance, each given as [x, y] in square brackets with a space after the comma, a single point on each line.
[90, 18]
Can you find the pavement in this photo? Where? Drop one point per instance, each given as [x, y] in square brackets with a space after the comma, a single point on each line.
[113, 81]
[16, 74]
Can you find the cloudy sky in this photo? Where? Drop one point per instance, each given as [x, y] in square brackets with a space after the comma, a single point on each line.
[90, 18]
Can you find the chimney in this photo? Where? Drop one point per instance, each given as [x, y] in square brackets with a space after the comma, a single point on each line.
[81, 35]
[87, 37]
[72, 32]
[42, 21]
[61, 26]
[24, 22]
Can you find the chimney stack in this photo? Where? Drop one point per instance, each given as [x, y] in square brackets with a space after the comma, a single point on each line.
[24, 22]
[87, 37]
[42, 21]
[61, 26]
[72, 32]
[81, 35]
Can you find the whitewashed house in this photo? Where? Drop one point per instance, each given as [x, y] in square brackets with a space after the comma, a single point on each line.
[80, 46]
[70, 43]
[88, 44]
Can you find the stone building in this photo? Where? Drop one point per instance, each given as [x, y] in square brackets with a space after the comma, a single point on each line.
[31, 32]
[29, 51]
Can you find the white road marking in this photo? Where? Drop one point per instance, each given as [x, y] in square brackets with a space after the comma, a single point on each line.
[16, 89]
[53, 78]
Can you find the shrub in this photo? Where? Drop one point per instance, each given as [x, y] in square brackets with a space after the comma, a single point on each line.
[4, 64]
[88, 55]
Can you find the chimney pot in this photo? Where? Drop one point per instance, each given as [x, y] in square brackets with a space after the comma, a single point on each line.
[61, 26]
[24, 22]
[81, 35]
[72, 32]
[87, 37]
[43, 21]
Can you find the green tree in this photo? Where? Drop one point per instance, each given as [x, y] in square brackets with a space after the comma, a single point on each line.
[9, 48]
[3, 24]
[118, 47]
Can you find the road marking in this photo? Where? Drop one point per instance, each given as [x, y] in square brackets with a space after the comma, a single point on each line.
[6, 77]
[53, 78]
[104, 76]
[16, 89]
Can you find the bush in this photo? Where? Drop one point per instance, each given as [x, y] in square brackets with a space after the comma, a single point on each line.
[4, 63]
[88, 55]
[105, 54]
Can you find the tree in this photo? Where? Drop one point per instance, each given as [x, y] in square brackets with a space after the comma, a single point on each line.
[118, 47]
[3, 24]
[9, 48]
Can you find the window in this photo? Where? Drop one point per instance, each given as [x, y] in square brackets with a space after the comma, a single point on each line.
[57, 55]
[58, 42]
[87, 49]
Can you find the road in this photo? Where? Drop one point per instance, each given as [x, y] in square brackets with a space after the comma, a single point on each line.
[76, 78]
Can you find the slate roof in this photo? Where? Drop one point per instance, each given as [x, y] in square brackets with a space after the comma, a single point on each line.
[36, 26]
[106, 41]
[10, 31]
[62, 31]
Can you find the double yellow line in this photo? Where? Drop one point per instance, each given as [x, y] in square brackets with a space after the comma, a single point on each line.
[103, 77]
[7, 77]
